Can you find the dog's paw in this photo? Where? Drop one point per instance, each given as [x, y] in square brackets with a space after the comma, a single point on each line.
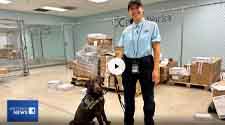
[108, 122]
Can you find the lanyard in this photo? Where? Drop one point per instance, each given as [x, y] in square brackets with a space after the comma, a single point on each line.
[139, 35]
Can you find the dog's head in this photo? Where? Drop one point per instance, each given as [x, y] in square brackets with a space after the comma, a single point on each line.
[94, 86]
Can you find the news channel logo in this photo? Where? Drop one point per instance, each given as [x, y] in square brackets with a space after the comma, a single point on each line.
[22, 111]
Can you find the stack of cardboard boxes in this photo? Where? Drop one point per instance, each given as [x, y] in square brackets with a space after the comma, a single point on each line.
[205, 70]
[104, 49]
[92, 60]
[164, 69]
[179, 74]
[101, 43]
[86, 64]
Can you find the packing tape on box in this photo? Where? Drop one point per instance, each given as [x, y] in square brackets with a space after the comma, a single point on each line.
[222, 76]
[199, 67]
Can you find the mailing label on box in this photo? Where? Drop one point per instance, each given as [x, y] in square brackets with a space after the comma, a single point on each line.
[175, 77]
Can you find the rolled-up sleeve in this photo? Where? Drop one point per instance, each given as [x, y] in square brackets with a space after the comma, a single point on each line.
[156, 37]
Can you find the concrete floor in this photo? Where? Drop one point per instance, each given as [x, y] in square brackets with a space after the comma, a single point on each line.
[174, 105]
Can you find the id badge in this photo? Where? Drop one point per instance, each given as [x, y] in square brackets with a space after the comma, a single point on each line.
[135, 68]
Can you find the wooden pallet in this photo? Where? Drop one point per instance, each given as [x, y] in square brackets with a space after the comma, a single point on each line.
[75, 79]
[80, 78]
[188, 85]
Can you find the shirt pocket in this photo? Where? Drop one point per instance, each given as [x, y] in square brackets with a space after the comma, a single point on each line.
[145, 36]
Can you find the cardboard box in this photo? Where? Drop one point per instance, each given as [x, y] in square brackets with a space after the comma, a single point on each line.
[85, 70]
[100, 43]
[182, 71]
[219, 102]
[4, 71]
[206, 73]
[164, 73]
[8, 53]
[179, 74]
[218, 93]
[180, 78]
[218, 88]
[164, 70]
[172, 63]
[70, 64]
[104, 59]
[4, 53]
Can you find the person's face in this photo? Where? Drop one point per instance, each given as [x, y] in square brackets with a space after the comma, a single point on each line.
[136, 12]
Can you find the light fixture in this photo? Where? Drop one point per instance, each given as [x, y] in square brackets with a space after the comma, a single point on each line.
[5, 1]
[54, 8]
[98, 1]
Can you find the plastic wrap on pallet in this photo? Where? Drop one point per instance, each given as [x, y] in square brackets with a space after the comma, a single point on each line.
[86, 64]
[88, 55]
[179, 71]
[204, 59]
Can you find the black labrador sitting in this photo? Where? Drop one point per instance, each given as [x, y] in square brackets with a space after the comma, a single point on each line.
[92, 105]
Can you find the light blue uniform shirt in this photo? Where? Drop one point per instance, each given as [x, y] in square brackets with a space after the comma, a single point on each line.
[137, 39]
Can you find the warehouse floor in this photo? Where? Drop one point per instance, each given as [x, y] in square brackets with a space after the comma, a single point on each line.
[173, 104]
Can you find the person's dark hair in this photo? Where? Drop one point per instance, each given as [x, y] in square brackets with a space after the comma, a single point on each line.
[136, 2]
[131, 21]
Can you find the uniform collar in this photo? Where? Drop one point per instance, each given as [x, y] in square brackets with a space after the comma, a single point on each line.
[140, 23]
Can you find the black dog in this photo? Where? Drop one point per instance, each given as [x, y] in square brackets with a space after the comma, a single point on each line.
[92, 105]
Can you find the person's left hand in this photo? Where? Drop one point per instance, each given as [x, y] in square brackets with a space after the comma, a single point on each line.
[156, 76]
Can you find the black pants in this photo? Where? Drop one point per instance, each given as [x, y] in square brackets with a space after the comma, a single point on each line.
[146, 65]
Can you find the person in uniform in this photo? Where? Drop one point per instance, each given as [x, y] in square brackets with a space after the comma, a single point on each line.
[141, 47]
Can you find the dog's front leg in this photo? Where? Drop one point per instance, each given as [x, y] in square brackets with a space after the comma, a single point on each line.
[99, 118]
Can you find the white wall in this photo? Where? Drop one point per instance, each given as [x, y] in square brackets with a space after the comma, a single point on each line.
[203, 28]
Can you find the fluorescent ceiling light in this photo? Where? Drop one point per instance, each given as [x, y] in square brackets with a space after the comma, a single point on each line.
[54, 8]
[5, 1]
[98, 1]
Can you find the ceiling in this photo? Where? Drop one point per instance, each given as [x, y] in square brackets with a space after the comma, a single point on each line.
[84, 7]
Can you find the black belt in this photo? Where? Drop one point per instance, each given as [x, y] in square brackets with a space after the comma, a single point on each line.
[141, 59]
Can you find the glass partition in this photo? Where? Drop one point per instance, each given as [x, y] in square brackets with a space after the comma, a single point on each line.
[12, 48]
[46, 44]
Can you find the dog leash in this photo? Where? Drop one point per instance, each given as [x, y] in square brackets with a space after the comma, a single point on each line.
[117, 91]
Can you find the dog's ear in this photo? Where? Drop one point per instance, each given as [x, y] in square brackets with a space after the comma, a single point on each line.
[100, 79]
